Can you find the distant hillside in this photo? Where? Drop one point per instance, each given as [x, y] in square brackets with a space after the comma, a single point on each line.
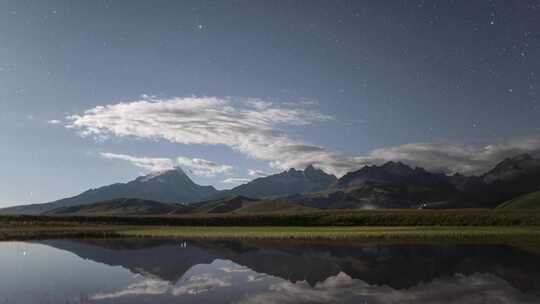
[120, 206]
[130, 206]
[172, 186]
[286, 183]
[274, 206]
[223, 205]
[527, 201]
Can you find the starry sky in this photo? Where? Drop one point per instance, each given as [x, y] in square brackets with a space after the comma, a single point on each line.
[97, 92]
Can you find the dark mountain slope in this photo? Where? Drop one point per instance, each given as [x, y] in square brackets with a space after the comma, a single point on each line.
[286, 183]
[526, 201]
[509, 179]
[394, 173]
[120, 206]
[223, 205]
[172, 186]
[391, 185]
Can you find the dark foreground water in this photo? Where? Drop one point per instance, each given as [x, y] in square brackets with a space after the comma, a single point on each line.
[172, 271]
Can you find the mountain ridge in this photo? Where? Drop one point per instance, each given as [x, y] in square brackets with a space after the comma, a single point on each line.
[286, 182]
[171, 186]
[390, 185]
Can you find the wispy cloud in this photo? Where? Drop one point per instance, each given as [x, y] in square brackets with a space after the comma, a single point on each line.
[251, 128]
[197, 166]
[54, 122]
[257, 173]
[148, 163]
[450, 158]
[236, 180]
[203, 167]
[254, 129]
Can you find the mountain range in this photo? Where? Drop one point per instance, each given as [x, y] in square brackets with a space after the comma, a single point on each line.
[391, 185]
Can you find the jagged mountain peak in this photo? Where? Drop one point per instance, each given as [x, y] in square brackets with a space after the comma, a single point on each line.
[390, 172]
[311, 171]
[176, 172]
[395, 164]
[287, 182]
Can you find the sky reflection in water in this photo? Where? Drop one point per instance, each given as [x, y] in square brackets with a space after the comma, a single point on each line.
[165, 271]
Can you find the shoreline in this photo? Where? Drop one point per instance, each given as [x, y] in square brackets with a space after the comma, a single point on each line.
[294, 233]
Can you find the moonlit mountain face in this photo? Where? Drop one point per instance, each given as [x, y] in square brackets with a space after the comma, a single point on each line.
[97, 93]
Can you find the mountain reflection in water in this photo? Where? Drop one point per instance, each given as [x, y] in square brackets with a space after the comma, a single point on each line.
[172, 271]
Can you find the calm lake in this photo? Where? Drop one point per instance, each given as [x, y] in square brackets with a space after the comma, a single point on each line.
[174, 271]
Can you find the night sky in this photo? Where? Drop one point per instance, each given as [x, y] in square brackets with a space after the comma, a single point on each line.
[97, 92]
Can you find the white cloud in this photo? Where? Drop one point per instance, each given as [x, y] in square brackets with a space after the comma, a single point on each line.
[203, 167]
[450, 158]
[54, 121]
[257, 173]
[253, 128]
[196, 166]
[235, 180]
[148, 163]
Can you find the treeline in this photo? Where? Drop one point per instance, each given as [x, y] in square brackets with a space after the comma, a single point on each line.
[464, 217]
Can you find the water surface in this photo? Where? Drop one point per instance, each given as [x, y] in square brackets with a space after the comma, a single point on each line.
[174, 271]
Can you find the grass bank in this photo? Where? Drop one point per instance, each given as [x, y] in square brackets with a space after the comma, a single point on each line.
[386, 218]
[340, 233]
[31, 231]
[432, 233]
